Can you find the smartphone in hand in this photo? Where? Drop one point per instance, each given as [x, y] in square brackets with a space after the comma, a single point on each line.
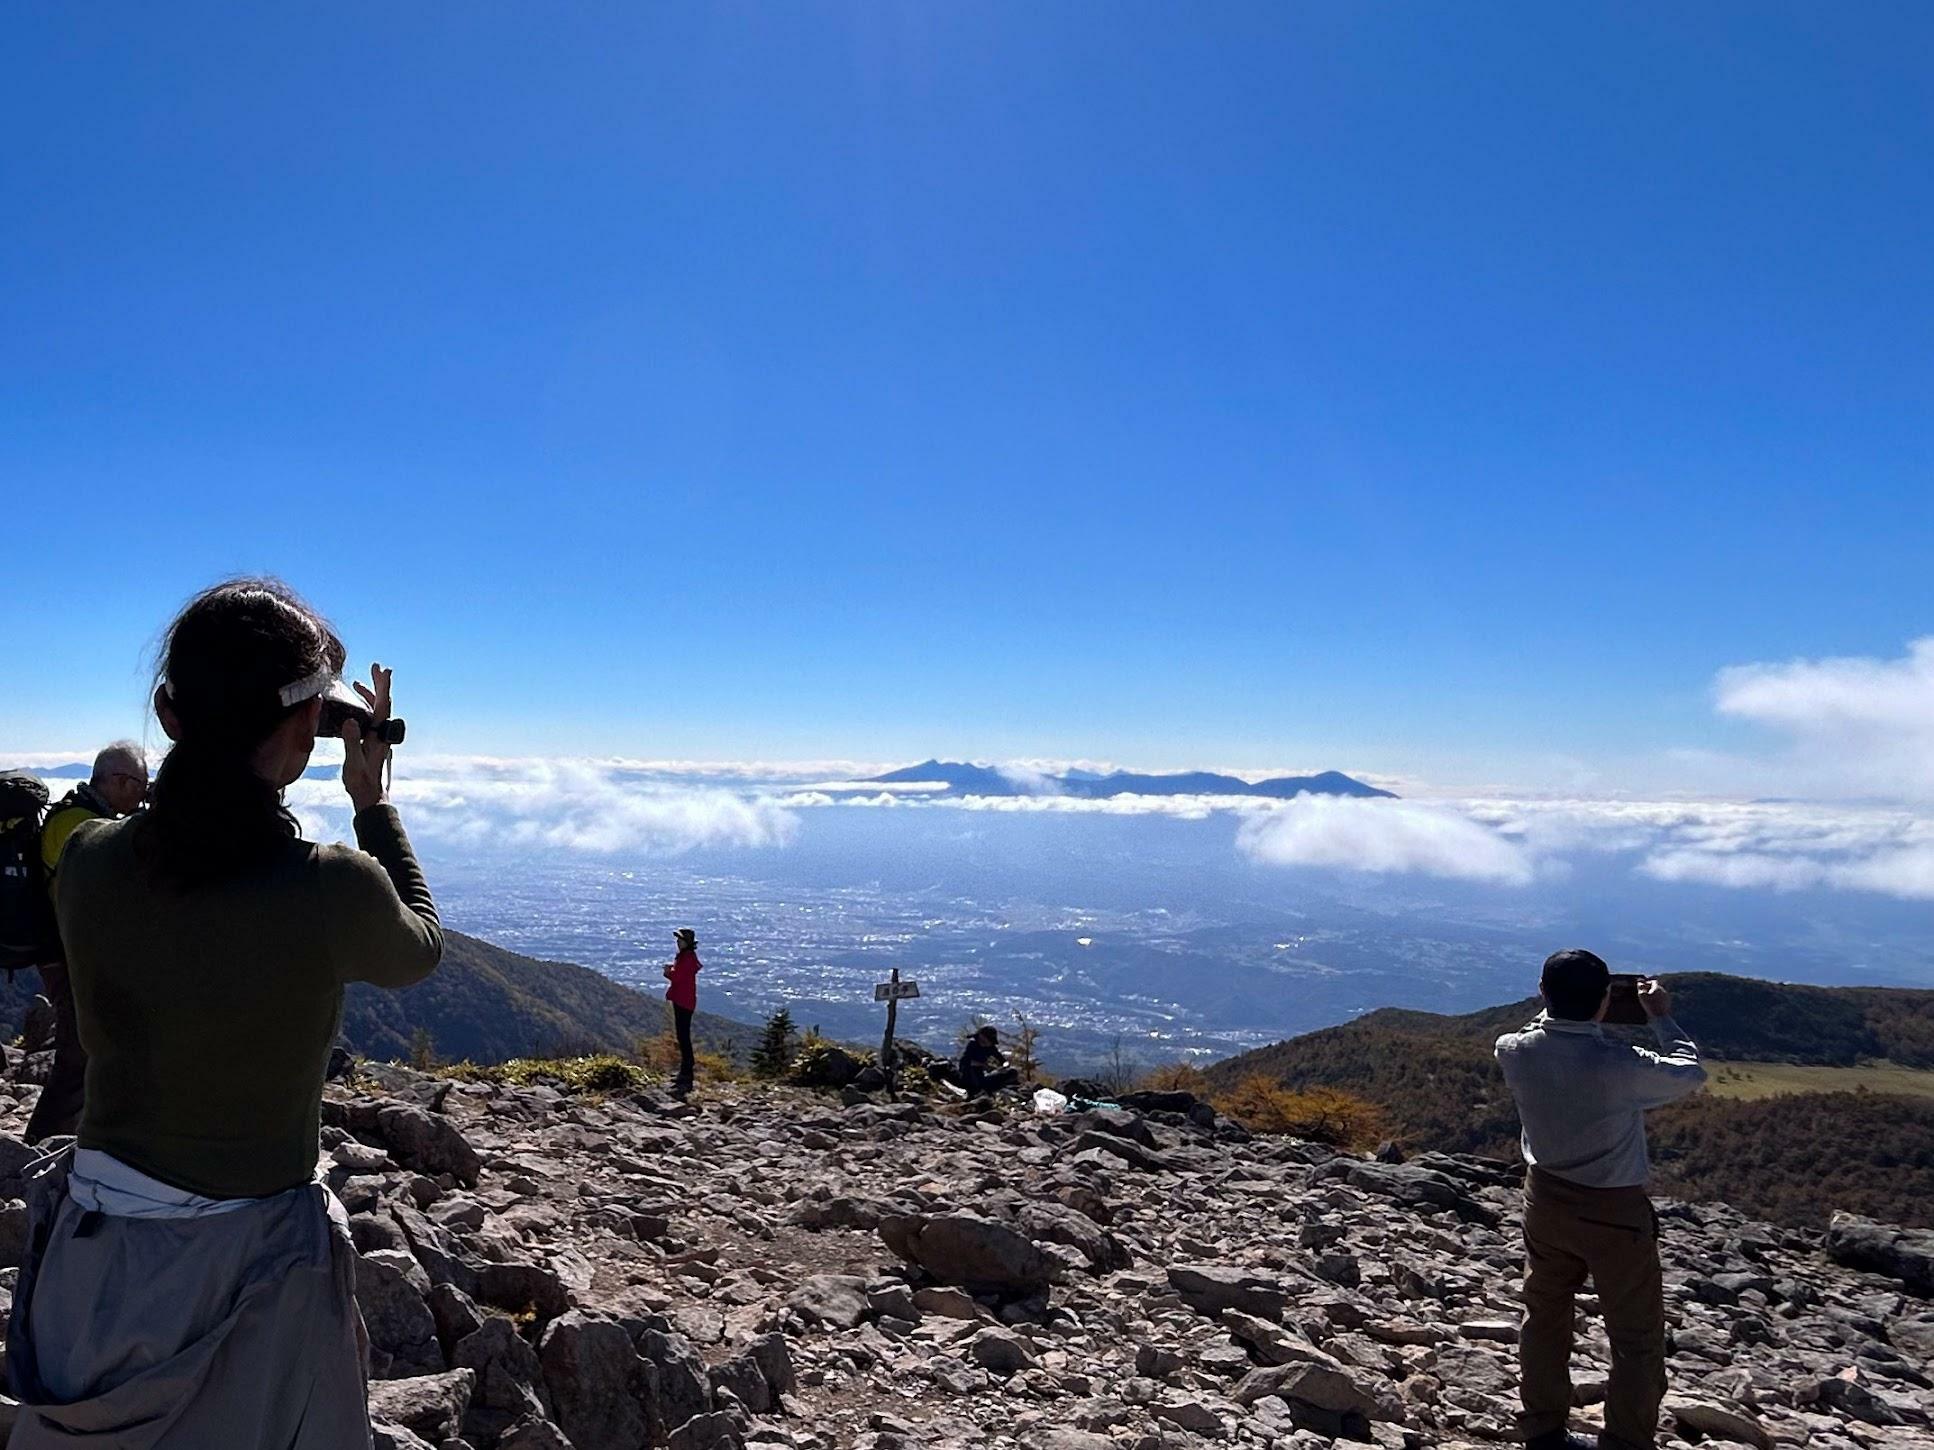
[1625, 1009]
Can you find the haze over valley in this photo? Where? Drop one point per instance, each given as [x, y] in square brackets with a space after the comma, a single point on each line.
[1190, 922]
[1188, 926]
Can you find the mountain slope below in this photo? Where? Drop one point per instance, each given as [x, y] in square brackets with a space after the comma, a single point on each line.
[488, 1004]
[1793, 1157]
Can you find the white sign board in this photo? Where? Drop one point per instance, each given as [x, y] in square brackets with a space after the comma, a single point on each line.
[895, 991]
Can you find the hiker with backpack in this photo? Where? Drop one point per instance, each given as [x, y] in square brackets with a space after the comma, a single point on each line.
[188, 1281]
[116, 788]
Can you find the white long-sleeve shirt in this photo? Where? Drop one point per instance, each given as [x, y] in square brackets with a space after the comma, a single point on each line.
[1582, 1095]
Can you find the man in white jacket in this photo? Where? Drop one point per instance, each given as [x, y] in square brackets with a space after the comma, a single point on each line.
[1582, 1098]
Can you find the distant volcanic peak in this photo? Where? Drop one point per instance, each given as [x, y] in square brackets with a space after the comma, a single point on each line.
[961, 778]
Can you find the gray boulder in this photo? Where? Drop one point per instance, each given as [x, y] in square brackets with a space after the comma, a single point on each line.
[774, 1358]
[1001, 1351]
[830, 1301]
[1407, 1184]
[713, 1431]
[427, 1143]
[509, 1380]
[384, 1436]
[972, 1252]
[741, 1378]
[390, 1291]
[1119, 1124]
[455, 1315]
[1906, 1254]
[1337, 1391]
[535, 1433]
[522, 1288]
[1148, 1160]
[1717, 1421]
[599, 1386]
[432, 1406]
[1212, 1288]
[1051, 1221]
[684, 1387]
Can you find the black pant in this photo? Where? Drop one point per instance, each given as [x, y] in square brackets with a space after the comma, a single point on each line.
[59, 1110]
[980, 1084]
[682, 1017]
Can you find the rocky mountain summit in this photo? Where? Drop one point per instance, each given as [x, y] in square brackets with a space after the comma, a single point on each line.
[543, 1268]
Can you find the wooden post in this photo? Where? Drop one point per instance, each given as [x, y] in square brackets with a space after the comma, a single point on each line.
[887, 1064]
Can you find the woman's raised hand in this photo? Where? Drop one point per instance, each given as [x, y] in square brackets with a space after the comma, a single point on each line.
[363, 760]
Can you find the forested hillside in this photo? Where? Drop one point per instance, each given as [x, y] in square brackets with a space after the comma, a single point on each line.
[1794, 1158]
[487, 1004]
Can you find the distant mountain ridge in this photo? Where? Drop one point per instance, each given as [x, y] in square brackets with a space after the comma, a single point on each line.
[962, 778]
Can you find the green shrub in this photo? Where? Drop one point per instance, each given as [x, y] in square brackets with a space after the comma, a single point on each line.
[813, 1066]
[599, 1073]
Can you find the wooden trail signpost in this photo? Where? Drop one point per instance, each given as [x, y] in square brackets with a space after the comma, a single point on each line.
[892, 992]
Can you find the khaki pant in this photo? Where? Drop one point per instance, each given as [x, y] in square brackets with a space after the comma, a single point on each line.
[1611, 1236]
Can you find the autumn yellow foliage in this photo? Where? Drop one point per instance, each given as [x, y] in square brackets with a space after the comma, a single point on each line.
[1175, 1077]
[1321, 1115]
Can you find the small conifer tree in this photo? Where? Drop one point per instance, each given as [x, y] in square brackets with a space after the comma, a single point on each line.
[422, 1050]
[773, 1056]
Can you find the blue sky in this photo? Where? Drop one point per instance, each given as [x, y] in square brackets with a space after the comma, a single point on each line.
[1439, 390]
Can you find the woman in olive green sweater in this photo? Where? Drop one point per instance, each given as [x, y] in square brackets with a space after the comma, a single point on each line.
[194, 1284]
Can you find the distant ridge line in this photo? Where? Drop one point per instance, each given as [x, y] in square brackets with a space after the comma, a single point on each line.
[961, 778]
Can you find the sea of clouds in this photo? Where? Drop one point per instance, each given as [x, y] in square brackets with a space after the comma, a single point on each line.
[1854, 736]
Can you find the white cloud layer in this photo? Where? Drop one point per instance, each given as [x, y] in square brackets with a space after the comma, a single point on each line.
[1382, 836]
[571, 805]
[663, 808]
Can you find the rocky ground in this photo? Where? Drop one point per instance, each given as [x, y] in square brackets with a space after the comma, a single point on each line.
[772, 1267]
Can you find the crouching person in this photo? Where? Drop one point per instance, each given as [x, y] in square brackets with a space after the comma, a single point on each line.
[1582, 1098]
[982, 1068]
[188, 1283]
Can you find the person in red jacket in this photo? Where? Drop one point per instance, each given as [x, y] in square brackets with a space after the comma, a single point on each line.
[683, 995]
